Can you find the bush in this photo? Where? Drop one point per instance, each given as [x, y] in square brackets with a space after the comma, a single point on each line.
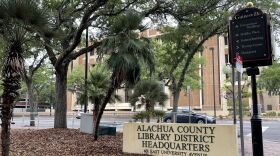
[270, 114]
[247, 113]
[158, 115]
[140, 116]
[153, 114]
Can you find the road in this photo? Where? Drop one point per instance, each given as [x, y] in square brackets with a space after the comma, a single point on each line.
[270, 127]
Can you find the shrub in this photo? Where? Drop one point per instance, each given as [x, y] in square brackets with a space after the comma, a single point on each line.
[158, 114]
[140, 116]
[271, 114]
[153, 114]
[247, 113]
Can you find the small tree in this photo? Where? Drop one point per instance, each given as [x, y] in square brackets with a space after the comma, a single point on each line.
[227, 87]
[126, 50]
[270, 80]
[28, 78]
[147, 93]
[98, 83]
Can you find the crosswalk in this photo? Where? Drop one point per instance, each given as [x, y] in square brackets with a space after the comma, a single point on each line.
[264, 128]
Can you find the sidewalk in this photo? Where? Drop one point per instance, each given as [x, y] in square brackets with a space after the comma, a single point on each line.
[270, 148]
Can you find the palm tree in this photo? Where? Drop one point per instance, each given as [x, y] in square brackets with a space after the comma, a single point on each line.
[147, 93]
[126, 50]
[98, 83]
[16, 17]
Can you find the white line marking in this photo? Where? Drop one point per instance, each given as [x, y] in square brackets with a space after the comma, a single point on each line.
[263, 130]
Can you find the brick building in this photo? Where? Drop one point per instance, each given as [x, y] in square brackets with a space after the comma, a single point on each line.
[212, 79]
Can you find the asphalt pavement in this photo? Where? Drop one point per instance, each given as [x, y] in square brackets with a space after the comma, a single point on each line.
[270, 127]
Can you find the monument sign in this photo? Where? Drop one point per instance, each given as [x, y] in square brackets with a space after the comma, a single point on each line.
[180, 139]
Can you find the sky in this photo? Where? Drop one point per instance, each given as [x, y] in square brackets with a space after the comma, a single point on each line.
[277, 50]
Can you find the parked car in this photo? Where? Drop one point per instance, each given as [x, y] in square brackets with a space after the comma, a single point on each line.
[78, 113]
[183, 116]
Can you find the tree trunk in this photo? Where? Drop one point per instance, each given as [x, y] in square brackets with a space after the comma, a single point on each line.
[176, 94]
[60, 120]
[149, 110]
[11, 73]
[177, 88]
[6, 123]
[95, 112]
[29, 84]
[262, 102]
[102, 108]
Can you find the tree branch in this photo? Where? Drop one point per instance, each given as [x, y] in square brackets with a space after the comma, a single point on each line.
[84, 50]
[112, 13]
[228, 89]
[49, 49]
[191, 55]
[25, 77]
[38, 65]
[83, 25]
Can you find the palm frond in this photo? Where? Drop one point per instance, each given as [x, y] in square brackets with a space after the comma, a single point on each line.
[26, 14]
[148, 90]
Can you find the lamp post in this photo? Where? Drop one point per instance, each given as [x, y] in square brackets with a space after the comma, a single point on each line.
[51, 98]
[213, 74]
[86, 74]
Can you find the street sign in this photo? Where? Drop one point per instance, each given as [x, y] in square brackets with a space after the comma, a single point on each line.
[249, 35]
[239, 63]
[188, 89]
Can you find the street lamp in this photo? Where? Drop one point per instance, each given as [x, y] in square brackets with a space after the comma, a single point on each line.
[51, 98]
[213, 74]
[86, 73]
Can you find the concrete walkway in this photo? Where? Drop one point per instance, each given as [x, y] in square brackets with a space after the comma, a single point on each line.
[270, 148]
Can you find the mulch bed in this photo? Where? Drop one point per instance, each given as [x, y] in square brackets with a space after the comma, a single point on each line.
[63, 142]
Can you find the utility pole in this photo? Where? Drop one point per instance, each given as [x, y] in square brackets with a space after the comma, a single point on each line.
[233, 95]
[86, 74]
[240, 112]
[213, 74]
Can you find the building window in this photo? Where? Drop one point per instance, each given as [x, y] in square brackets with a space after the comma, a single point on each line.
[226, 59]
[269, 107]
[91, 53]
[127, 93]
[226, 40]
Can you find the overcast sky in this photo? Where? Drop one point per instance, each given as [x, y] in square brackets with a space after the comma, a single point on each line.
[277, 52]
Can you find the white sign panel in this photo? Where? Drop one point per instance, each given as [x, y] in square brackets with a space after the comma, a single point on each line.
[180, 139]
